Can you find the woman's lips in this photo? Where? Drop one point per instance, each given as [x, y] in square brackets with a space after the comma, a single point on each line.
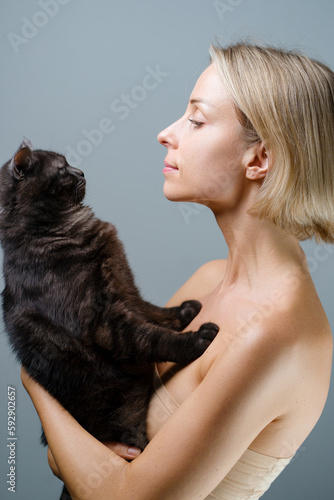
[169, 168]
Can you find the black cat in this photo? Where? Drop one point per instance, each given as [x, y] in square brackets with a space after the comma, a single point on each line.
[72, 311]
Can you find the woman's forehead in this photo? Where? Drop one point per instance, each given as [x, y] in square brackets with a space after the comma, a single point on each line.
[209, 89]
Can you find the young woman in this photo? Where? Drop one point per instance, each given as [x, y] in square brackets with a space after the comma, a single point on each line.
[256, 146]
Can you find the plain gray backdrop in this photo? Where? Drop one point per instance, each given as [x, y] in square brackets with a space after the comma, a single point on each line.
[70, 67]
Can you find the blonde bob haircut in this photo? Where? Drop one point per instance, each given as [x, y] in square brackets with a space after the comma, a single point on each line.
[286, 100]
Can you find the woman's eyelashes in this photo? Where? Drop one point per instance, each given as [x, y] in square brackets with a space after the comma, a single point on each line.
[195, 123]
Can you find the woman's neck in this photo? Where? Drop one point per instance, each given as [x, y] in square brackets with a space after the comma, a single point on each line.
[257, 249]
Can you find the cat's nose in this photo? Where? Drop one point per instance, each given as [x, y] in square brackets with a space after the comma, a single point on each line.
[75, 171]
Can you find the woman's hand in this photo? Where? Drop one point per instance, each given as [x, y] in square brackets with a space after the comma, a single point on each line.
[123, 450]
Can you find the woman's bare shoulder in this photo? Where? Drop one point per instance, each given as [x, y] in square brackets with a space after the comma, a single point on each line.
[201, 283]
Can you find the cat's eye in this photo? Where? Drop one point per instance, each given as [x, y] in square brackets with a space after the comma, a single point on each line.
[62, 170]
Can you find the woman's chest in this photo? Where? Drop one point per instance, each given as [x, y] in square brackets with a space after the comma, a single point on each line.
[174, 383]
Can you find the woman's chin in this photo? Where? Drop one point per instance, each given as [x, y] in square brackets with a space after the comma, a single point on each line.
[181, 196]
[174, 193]
[173, 196]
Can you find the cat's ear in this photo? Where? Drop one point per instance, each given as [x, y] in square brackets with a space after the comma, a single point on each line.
[26, 144]
[21, 161]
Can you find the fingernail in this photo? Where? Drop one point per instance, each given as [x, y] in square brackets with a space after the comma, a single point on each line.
[133, 451]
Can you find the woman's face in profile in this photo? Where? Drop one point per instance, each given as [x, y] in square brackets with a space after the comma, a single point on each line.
[206, 150]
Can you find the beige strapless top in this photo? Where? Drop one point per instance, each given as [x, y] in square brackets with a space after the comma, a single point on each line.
[249, 478]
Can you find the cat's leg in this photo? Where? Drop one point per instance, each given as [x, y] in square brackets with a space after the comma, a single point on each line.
[165, 345]
[176, 318]
[139, 342]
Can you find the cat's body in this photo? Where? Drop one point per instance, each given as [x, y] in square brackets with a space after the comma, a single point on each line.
[72, 310]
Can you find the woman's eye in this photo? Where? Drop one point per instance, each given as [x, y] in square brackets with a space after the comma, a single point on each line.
[197, 124]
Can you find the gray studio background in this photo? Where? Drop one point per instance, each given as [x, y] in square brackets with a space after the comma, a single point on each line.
[66, 67]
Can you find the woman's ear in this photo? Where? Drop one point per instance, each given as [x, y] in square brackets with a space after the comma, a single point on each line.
[257, 163]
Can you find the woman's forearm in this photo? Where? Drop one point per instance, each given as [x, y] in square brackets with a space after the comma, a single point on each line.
[83, 461]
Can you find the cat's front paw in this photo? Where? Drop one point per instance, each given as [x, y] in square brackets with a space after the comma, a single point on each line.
[206, 334]
[188, 310]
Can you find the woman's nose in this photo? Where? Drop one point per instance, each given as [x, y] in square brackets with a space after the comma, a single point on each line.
[168, 136]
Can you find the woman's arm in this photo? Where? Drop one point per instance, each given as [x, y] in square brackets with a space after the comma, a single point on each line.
[122, 450]
[68, 441]
[241, 394]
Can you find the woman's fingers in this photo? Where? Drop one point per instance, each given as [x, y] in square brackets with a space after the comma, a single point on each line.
[123, 450]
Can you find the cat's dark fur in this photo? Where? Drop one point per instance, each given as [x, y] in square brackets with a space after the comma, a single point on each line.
[72, 311]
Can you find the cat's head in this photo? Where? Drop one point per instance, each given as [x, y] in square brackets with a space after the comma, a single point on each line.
[40, 179]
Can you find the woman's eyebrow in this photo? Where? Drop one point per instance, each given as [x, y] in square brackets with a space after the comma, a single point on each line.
[201, 101]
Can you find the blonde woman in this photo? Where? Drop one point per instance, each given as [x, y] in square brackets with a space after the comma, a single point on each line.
[256, 146]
